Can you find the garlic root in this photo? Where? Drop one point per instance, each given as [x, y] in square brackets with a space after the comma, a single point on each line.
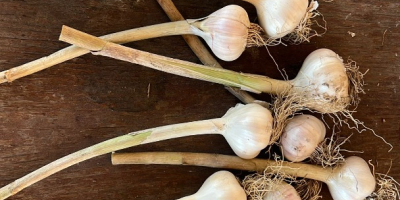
[269, 186]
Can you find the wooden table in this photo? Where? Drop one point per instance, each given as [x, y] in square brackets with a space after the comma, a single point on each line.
[90, 99]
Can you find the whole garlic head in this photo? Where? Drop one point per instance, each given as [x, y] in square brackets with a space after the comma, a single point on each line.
[248, 129]
[222, 185]
[225, 31]
[301, 136]
[282, 191]
[353, 180]
[280, 17]
[323, 82]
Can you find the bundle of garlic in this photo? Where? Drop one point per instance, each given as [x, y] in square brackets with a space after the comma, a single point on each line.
[322, 84]
[322, 81]
[246, 128]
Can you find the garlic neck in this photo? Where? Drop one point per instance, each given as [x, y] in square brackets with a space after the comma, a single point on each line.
[211, 126]
[265, 84]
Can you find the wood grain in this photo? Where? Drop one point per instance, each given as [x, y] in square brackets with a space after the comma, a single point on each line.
[90, 99]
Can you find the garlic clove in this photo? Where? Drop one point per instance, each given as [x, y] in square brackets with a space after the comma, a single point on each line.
[248, 129]
[225, 31]
[354, 180]
[221, 185]
[282, 191]
[301, 136]
[280, 17]
[322, 80]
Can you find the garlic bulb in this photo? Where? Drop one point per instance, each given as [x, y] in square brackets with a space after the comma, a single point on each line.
[282, 191]
[280, 17]
[323, 82]
[301, 136]
[353, 180]
[225, 31]
[222, 185]
[248, 129]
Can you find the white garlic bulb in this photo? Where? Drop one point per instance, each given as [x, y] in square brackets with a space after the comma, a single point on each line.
[323, 81]
[353, 180]
[248, 129]
[280, 17]
[301, 136]
[282, 191]
[225, 31]
[222, 185]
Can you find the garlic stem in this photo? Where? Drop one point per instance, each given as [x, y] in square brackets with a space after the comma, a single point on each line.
[351, 180]
[68, 53]
[99, 46]
[200, 50]
[221, 161]
[246, 128]
[121, 142]
[322, 81]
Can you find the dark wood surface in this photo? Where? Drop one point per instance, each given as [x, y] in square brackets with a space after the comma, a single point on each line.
[90, 99]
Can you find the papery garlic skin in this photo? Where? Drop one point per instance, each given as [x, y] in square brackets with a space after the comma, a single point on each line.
[248, 129]
[282, 191]
[323, 81]
[221, 185]
[280, 17]
[354, 180]
[301, 136]
[225, 31]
